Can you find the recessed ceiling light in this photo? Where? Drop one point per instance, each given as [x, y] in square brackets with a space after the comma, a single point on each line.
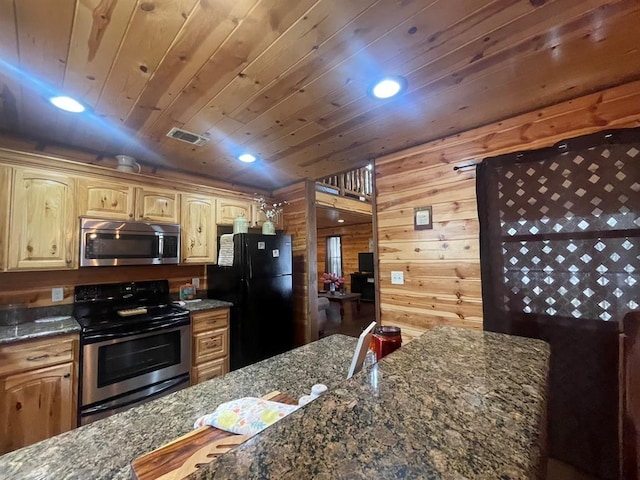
[388, 87]
[341, 220]
[67, 104]
[247, 158]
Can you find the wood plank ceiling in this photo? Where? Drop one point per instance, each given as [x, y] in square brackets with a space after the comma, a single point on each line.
[287, 79]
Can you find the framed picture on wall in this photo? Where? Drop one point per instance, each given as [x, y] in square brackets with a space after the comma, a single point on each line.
[422, 218]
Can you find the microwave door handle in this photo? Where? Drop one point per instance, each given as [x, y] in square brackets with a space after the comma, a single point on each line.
[160, 246]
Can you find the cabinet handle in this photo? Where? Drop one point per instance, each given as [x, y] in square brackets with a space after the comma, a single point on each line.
[66, 375]
[35, 359]
[131, 215]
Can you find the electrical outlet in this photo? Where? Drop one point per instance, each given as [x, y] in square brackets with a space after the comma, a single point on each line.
[397, 278]
[195, 281]
[57, 294]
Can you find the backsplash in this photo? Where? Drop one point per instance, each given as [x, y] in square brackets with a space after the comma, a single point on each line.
[34, 288]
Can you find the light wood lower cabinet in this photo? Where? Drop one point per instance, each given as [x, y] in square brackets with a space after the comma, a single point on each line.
[210, 346]
[38, 390]
[207, 371]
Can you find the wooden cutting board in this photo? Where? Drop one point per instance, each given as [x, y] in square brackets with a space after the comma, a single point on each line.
[184, 455]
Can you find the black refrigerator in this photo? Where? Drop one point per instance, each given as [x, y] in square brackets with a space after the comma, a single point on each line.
[259, 284]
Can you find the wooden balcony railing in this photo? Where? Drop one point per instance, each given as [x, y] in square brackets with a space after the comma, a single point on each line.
[356, 183]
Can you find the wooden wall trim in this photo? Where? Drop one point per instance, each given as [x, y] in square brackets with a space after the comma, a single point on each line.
[342, 203]
[613, 108]
[106, 169]
[376, 253]
[297, 222]
[312, 264]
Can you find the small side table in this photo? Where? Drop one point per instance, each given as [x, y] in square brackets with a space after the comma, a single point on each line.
[342, 298]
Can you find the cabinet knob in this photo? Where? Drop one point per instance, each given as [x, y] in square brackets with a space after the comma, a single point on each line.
[67, 375]
[131, 215]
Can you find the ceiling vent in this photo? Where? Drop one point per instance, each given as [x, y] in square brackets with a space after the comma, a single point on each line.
[189, 137]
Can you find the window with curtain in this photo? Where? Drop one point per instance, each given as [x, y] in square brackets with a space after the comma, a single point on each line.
[334, 256]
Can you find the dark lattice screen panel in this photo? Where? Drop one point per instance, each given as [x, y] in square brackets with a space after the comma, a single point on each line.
[560, 258]
[568, 226]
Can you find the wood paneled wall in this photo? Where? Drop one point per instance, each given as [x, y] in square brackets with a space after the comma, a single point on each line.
[354, 239]
[300, 223]
[34, 288]
[441, 266]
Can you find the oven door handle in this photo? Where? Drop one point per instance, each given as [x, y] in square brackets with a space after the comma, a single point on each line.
[128, 333]
[169, 384]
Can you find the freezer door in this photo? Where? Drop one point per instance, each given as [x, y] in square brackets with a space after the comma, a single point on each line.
[266, 255]
[224, 283]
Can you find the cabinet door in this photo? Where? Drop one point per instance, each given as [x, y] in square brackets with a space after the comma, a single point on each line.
[259, 217]
[5, 195]
[228, 210]
[101, 199]
[42, 231]
[157, 205]
[209, 370]
[36, 405]
[209, 320]
[210, 345]
[198, 229]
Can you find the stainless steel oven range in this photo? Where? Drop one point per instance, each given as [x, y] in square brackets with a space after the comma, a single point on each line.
[135, 346]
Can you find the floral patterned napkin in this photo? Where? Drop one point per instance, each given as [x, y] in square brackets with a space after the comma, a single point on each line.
[246, 416]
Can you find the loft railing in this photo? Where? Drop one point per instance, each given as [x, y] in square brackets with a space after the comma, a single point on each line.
[356, 183]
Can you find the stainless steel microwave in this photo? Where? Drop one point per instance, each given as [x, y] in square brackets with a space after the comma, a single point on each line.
[110, 243]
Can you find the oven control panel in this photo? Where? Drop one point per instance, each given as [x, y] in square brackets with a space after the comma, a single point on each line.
[121, 291]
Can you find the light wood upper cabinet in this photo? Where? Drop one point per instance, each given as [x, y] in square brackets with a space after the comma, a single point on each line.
[229, 209]
[5, 196]
[198, 221]
[42, 221]
[102, 199]
[157, 205]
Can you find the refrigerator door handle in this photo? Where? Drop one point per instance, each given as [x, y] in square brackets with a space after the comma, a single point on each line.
[250, 267]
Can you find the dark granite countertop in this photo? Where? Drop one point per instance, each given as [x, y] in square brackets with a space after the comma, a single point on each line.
[34, 324]
[451, 404]
[206, 304]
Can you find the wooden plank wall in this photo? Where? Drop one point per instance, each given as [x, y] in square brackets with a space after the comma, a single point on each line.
[354, 239]
[441, 266]
[300, 223]
[34, 288]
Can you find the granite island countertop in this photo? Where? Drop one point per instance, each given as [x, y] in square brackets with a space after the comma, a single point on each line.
[453, 403]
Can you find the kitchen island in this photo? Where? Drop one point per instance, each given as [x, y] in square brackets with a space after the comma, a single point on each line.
[451, 404]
